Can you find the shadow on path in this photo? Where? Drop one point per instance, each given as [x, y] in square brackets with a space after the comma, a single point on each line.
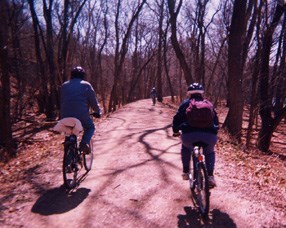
[192, 218]
[58, 201]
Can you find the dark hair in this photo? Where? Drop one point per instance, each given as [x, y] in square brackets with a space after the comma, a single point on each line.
[196, 96]
[78, 72]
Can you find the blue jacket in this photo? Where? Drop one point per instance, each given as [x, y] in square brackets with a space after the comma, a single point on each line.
[77, 96]
[180, 121]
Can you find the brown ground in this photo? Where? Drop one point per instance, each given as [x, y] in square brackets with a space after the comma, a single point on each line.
[136, 179]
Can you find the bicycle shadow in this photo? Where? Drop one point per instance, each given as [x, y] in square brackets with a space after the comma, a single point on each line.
[58, 201]
[192, 218]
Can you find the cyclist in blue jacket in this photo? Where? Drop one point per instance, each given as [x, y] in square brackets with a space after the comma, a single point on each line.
[195, 134]
[77, 97]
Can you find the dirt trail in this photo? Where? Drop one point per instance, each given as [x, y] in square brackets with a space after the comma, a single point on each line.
[135, 182]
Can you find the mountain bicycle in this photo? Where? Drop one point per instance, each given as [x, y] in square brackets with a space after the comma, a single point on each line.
[74, 160]
[198, 179]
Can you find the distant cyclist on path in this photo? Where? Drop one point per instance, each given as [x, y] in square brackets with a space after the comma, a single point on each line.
[153, 95]
[77, 97]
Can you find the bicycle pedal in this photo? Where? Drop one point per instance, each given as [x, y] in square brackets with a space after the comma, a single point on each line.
[75, 169]
[79, 160]
[68, 169]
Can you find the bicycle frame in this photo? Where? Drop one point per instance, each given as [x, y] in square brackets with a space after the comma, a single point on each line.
[72, 141]
[70, 161]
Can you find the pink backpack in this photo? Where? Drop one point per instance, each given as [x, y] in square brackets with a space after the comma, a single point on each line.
[200, 114]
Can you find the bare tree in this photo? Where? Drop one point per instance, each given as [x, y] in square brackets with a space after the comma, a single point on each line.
[269, 123]
[50, 56]
[160, 51]
[102, 45]
[216, 76]
[201, 14]
[166, 61]
[71, 13]
[48, 73]
[279, 73]
[254, 79]
[120, 52]
[41, 68]
[174, 12]
[16, 21]
[6, 138]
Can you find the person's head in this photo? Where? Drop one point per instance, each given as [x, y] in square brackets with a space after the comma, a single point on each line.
[195, 90]
[78, 72]
[153, 88]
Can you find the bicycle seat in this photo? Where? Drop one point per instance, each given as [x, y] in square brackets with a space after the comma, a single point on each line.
[200, 144]
[69, 126]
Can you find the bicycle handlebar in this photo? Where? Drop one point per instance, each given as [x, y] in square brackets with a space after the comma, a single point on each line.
[96, 115]
[177, 134]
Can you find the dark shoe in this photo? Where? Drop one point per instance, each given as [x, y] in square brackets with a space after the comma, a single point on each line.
[68, 169]
[185, 176]
[84, 148]
[75, 167]
[212, 182]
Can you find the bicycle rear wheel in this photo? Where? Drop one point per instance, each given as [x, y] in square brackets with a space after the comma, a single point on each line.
[70, 168]
[88, 158]
[200, 190]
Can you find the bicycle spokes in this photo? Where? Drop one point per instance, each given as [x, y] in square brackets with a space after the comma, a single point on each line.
[73, 162]
[200, 190]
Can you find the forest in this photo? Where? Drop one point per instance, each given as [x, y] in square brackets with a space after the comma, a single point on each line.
[236, 49]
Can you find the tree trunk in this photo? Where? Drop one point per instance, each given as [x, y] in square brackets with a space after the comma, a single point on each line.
[280, 79]
[233, 120]
[179, 53]
[166, 64]
[6, 138]
[255, 74]
[160, 51]
[41, 72]
[52, 95]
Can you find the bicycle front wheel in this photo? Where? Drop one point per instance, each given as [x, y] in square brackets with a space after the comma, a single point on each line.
[70, 168]
[200, 191]
[88, 158]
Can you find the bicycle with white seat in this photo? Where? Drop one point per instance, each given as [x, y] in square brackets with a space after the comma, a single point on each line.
[74, 159]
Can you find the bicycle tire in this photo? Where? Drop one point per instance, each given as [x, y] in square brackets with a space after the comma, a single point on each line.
[69, 167]
[88, 158]
[200, 190]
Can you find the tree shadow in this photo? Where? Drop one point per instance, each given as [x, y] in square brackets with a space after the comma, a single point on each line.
[58, 201]
[192, 218]
[282, 157]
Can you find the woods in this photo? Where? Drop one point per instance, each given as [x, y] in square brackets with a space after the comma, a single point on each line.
[236, 49]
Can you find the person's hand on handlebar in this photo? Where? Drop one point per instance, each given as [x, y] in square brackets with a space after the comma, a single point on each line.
[176, 134]
[96, 115]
